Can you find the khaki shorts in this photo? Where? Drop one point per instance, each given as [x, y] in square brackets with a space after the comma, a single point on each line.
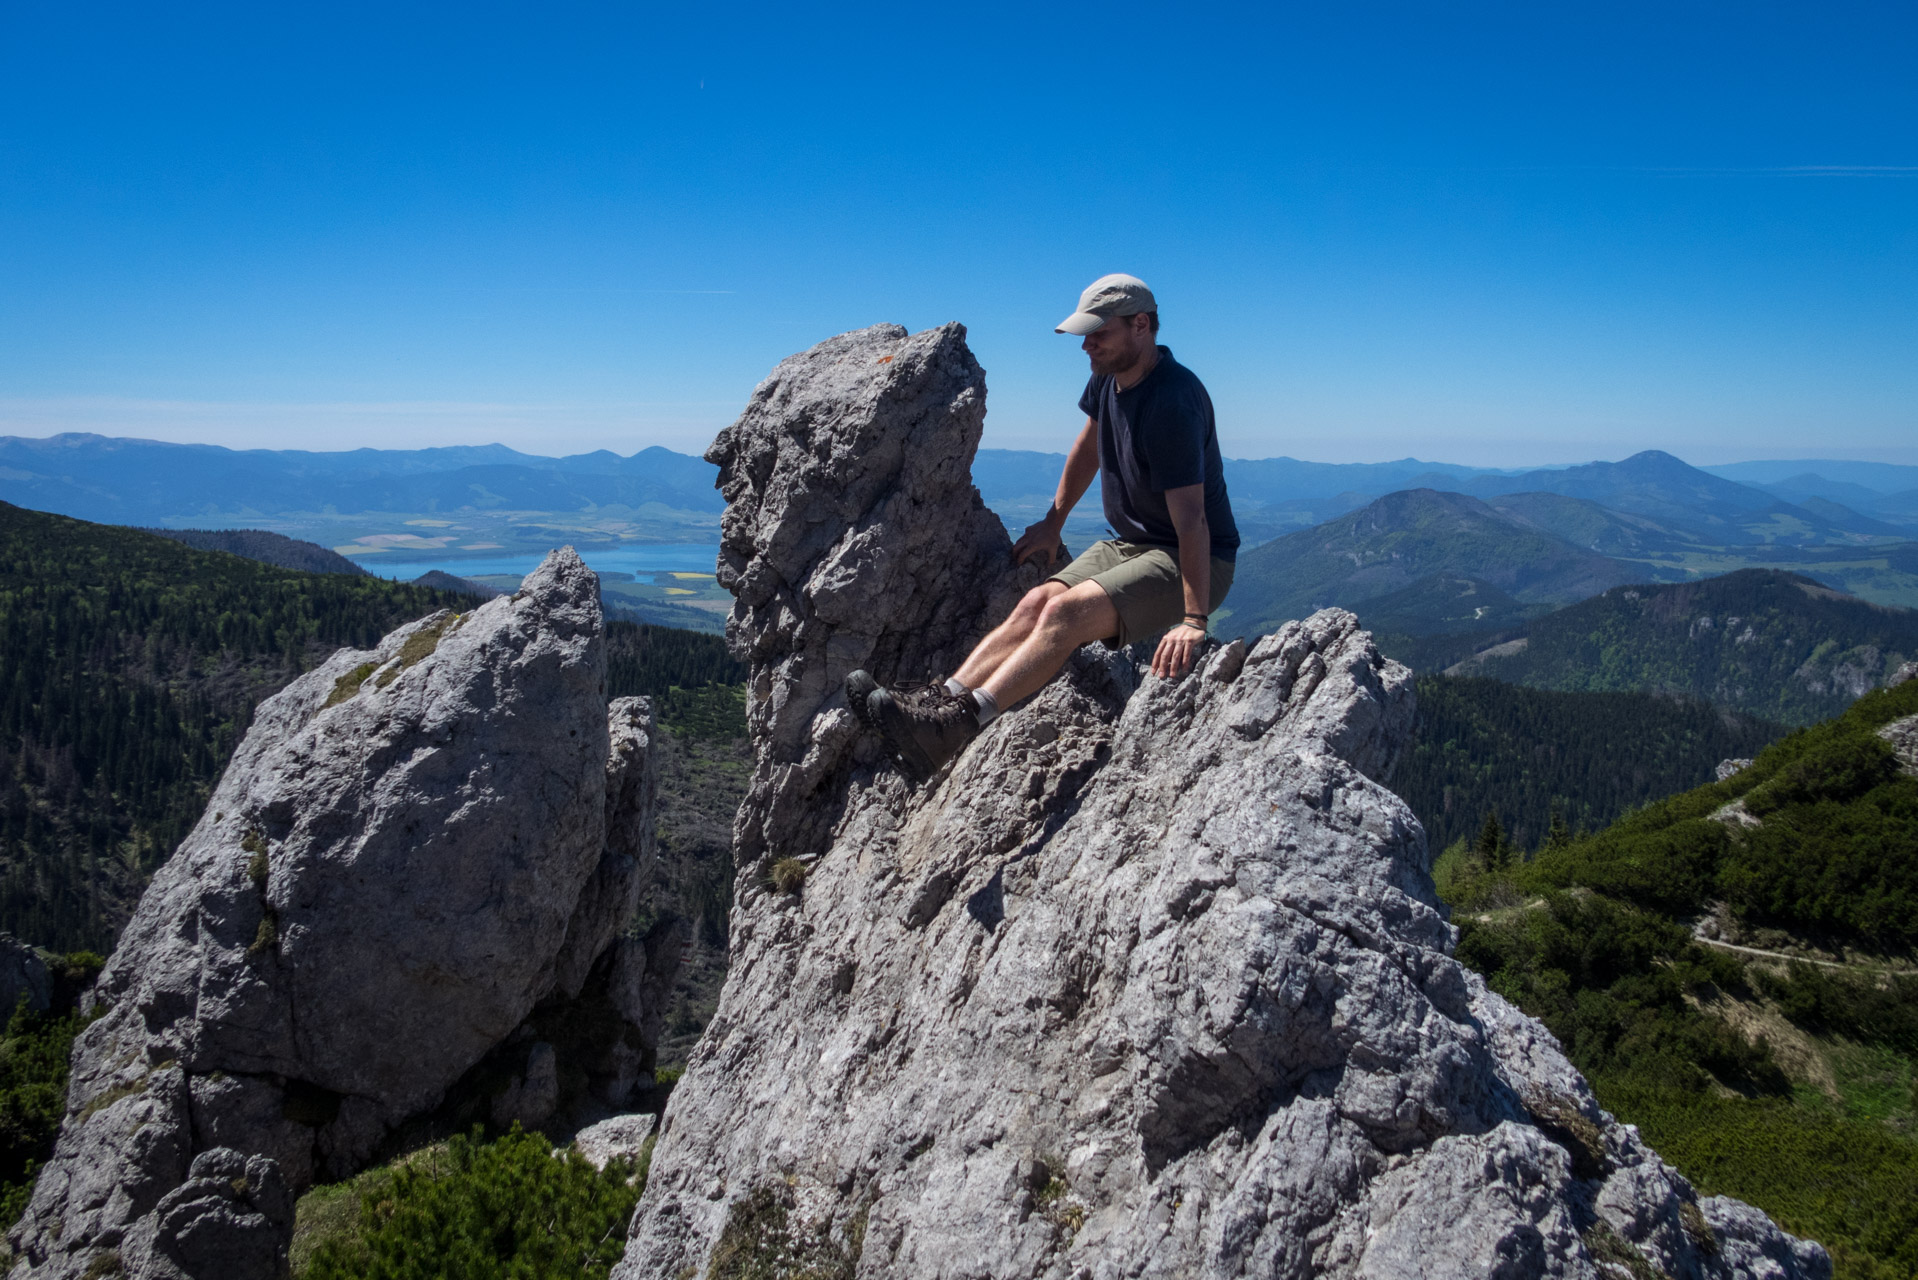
[1143, 584]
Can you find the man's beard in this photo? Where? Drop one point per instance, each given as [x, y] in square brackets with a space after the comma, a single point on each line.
[1115, 364]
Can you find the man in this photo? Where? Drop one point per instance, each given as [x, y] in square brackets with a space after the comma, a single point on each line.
[1149, 437]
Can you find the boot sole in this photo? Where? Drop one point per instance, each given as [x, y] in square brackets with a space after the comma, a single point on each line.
[859, 687]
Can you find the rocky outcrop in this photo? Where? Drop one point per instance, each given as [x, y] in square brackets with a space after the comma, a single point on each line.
[1150, 981]
[23, 975]
[853, 536]
[414, 849]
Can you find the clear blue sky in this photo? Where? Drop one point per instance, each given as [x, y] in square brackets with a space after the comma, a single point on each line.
[1498, 234]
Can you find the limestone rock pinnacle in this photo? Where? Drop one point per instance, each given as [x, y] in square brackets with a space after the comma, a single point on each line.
[408, 853]
[1152, 980]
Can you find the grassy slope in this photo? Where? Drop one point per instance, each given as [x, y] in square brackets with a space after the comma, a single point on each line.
[1774, 1062]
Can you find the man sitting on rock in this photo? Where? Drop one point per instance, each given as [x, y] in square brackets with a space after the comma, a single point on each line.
[1149, 437]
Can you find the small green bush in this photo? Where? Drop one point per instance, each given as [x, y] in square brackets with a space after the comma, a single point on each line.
[420, 645]
[477, 1210]
[788, 875]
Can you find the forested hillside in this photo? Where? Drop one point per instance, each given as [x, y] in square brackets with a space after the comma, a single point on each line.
[266, 547]
[1764, 641]
[1526, 755]
[1733, 968]
[129, 669]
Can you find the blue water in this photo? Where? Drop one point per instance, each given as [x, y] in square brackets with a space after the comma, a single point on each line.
[685, 557]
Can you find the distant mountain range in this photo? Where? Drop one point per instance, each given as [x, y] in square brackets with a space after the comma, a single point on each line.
[1710, 508]
[144, 482]
[1763, 641]
[1875, 488]
[1424, 552]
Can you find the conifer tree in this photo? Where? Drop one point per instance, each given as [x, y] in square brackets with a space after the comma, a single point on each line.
[1490, 845]
[1557, 834]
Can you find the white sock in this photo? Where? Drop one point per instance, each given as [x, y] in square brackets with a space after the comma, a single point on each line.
[954, 688]
[988, 707]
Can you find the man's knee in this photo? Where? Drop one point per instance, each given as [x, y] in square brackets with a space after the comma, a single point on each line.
[1033, 603]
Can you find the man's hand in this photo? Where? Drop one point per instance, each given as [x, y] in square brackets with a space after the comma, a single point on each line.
[1177, 648]
[1042, 537]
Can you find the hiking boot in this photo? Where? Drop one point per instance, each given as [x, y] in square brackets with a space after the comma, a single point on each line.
[925, 727]
[860, 686]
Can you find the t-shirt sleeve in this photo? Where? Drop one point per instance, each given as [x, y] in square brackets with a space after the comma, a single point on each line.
[1089, 402]
[1173, 442]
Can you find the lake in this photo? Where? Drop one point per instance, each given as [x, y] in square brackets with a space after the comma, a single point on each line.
[637, 559]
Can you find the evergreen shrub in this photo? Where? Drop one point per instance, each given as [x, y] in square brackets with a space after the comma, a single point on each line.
[475, 1210]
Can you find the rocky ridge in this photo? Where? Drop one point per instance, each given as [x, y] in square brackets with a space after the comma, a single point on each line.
[1151, 981]
[417, 853]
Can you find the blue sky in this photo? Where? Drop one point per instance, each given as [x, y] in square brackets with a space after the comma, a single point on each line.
[1498, 234]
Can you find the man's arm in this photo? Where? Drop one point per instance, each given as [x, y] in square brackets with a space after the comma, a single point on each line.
[1082, 465]
[1179, 646]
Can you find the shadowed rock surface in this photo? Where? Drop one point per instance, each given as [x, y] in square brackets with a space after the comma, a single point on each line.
[414, 848]
[1151, 981]
[23, 973]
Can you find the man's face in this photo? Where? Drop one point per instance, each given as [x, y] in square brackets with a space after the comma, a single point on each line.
[1118, 344]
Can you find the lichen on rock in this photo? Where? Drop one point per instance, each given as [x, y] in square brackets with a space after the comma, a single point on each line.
[1151, 980]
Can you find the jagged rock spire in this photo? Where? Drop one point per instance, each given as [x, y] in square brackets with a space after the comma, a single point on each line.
[413, 847]
[1151, 981]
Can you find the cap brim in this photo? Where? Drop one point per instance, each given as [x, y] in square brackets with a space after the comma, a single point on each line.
[1080, 323]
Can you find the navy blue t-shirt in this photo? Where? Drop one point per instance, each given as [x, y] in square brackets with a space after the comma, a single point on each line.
[1155, 436]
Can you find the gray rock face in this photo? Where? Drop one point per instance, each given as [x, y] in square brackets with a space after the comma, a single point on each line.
[1902, 734]
[22, 973]
[615, 1138]
[231, 1218]
[413, 848]
[852, 537]
[1732, 766]
[1151, 981]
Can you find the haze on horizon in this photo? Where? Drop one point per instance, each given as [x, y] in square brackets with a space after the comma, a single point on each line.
[1491, 234]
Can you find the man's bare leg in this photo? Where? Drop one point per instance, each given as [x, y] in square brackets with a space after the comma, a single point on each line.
[1069, 618]
[1054, 622]
[1004, 639]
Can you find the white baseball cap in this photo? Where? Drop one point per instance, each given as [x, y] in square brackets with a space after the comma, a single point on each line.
[1105, 298]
